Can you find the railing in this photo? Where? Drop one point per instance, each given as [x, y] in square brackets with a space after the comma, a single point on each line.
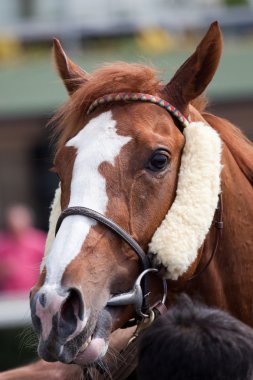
[14, 311]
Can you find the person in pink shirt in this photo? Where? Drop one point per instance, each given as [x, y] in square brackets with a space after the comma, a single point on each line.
[21, 251]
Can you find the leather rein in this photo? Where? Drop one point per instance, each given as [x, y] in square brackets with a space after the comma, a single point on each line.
[139, 295]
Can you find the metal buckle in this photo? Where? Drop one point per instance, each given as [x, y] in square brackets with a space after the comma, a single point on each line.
[142, 325]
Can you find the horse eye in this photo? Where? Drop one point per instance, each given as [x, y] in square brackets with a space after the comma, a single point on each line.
[158, 161]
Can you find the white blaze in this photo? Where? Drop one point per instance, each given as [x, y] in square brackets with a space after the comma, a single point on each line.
[97, 142]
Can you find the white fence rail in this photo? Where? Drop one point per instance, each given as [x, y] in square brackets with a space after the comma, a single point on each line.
[14, 311]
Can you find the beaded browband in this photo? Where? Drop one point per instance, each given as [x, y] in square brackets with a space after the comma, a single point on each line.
[137, 96]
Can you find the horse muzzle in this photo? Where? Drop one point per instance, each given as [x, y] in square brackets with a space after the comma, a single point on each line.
[68, 331]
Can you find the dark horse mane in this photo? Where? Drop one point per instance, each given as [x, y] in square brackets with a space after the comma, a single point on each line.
[127, 77]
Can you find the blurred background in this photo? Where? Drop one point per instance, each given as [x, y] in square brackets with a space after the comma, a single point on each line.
[158, 32]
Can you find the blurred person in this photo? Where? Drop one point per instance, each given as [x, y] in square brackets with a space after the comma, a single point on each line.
[21, 250]
[195, 342]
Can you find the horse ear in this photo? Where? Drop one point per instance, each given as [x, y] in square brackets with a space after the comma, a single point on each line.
[72, 75]
[198, 70]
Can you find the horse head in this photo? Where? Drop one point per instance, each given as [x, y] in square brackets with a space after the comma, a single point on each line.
[120, 158]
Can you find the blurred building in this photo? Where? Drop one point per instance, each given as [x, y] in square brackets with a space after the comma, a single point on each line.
[39, 19]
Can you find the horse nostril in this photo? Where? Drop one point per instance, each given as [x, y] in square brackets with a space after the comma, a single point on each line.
[73, 306]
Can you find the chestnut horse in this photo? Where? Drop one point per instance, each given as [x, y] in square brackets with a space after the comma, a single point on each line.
[123, 159]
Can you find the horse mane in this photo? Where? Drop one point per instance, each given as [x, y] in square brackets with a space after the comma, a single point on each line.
[240, 147]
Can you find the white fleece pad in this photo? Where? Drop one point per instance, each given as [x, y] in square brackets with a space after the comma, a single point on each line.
[182, 232]
[54, 215]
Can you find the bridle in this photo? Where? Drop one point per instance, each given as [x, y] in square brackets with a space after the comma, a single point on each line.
[139, 295]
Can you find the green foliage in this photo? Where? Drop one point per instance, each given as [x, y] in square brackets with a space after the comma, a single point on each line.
[236, 2]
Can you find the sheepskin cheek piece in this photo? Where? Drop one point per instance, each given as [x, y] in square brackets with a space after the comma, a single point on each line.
[183, 231]
[176, 242]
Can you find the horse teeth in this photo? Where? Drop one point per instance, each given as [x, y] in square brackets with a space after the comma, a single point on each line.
[83, 348]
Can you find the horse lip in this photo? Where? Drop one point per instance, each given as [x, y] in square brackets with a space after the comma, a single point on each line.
[98, 344]
[101, 331]
[88, 352]
[57, 349]
[85, 345]
[49, 352]
[93, 351]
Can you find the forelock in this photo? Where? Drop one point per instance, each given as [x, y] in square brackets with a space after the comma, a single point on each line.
[117, 77]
